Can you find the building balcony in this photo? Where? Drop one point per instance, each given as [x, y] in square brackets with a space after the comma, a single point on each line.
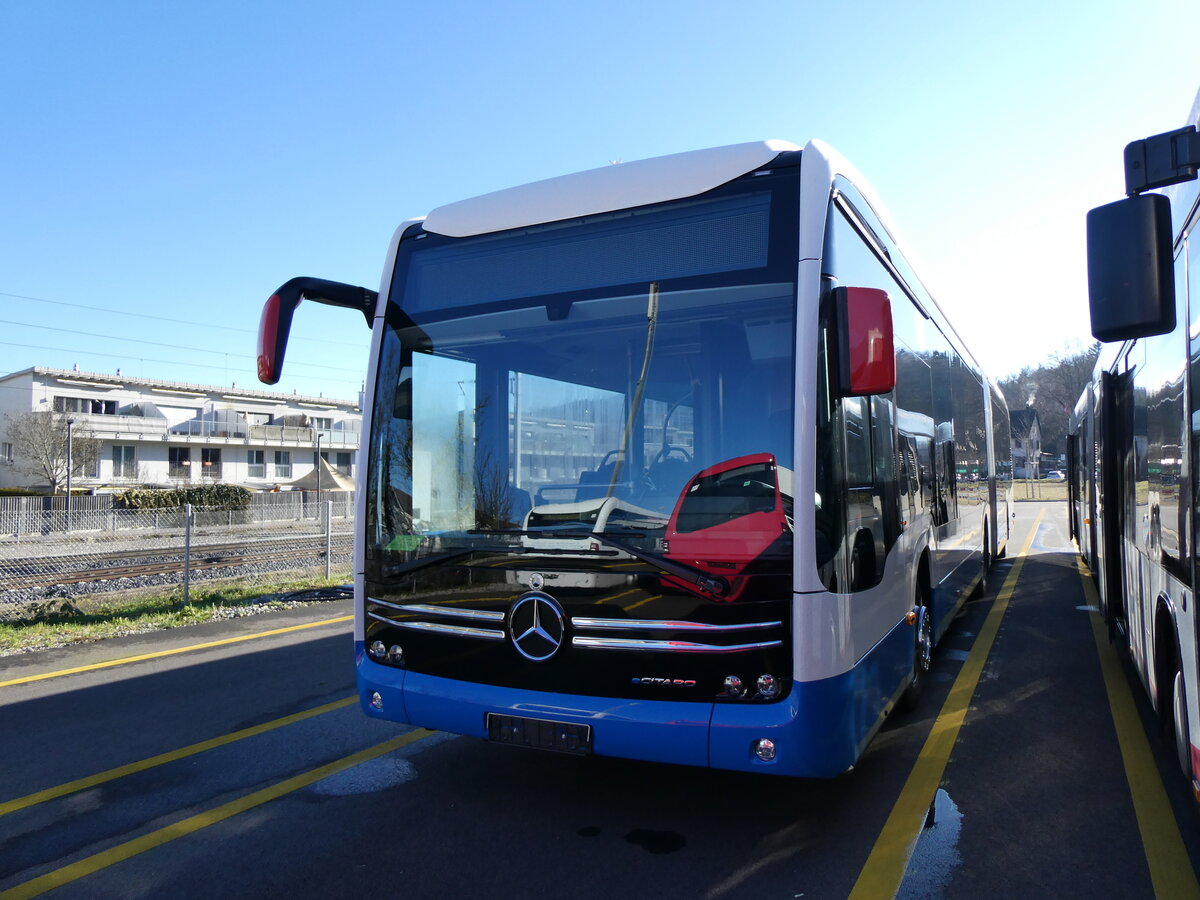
[145, 428]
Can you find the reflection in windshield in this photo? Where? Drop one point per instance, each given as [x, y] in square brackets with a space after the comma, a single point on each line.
[734, 519]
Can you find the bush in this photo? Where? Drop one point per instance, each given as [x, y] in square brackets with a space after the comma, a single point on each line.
[209, 496]
[20, 492]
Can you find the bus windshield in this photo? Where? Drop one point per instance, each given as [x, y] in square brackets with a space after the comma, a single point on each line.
[576, 377]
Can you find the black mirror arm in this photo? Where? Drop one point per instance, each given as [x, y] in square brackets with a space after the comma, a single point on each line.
[333, 293]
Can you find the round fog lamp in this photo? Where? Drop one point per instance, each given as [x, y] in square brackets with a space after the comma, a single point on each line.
[764, 749]
[377, 650]
[734, 686]
[395, 655]
[768, 686]
[377, 700]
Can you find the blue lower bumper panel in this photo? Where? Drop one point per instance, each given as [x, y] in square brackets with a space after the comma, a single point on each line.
[818, 730]
[653, 731]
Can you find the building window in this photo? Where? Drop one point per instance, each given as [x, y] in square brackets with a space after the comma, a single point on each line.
[85, 405]
[6, 454]
[256, 466]
[283, 463]
[179, 462]
[85, 468]
[344, 463]
[321, 423]
[210, 463]
[123, 458]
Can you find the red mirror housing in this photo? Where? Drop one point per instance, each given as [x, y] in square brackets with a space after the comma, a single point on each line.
[866, 342]
[273, 330]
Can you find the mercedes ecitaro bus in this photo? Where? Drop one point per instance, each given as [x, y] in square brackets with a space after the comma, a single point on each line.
[673, 460]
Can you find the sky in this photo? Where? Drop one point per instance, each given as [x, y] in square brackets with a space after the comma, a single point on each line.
[165, 166]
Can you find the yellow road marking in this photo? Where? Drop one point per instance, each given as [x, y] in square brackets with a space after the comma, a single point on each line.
[28, 679]
[80, 784]
[92, 864]
[641, 602]
[1171, 871]
[618, 596]
[884, 869]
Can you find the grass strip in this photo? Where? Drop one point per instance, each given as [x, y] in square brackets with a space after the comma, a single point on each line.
[56, 623]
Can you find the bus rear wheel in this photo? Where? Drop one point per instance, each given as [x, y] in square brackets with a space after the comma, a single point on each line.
[1183, 744]
[922, 658]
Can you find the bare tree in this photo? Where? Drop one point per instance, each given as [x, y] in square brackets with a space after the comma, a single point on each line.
[493, 497]
[39, 442]
[1052, 389]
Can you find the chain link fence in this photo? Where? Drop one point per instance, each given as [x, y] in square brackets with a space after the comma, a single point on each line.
[87, 552]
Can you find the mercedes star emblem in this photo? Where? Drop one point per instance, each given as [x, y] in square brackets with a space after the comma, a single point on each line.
[536, 626]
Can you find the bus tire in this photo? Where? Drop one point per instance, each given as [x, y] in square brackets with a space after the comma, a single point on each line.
[922, 658]
[1179, 717]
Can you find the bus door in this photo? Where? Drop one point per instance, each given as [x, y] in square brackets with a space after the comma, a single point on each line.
[1115, 427]
[1073, 475]
[1091, 479]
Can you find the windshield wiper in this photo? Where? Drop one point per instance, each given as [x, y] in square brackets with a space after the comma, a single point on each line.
[414, 565]
[713, 584]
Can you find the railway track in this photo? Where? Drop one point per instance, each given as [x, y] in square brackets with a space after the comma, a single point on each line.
[31, 574]
[303, 540]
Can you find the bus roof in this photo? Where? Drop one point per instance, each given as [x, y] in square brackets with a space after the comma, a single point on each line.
[610, 188]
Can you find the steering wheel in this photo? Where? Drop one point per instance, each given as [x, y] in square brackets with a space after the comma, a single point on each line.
[607, 456]
[666, 451]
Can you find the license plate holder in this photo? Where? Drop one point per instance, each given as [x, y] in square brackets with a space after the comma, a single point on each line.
[542, 734]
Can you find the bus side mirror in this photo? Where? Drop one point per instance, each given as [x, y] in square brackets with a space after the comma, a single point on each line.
[273, 329]
[1131, 282]
[866, 342]
[276, 321]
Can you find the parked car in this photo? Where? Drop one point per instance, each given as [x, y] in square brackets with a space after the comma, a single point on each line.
[1055, 475]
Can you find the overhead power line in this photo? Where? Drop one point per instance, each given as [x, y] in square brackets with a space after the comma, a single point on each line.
[136, 315]
[117, 337]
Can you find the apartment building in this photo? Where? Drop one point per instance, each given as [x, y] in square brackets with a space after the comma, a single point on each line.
[170, 434]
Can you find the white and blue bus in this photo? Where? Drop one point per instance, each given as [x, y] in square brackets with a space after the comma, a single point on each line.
[674, 460]
[1134, 442]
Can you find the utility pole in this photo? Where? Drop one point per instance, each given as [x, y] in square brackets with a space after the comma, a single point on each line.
[318, 466]
[70, 422]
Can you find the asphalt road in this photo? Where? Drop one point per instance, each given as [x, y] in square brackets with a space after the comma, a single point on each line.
[1033, 801]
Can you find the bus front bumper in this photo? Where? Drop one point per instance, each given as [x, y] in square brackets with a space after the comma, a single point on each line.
[716, 735]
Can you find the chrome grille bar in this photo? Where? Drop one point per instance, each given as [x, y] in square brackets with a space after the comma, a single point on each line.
[488, 634]
[449, 612]
[637, 644]
[665, 625]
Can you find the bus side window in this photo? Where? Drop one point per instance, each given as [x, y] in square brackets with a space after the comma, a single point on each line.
[858, 442]
[886, 486]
